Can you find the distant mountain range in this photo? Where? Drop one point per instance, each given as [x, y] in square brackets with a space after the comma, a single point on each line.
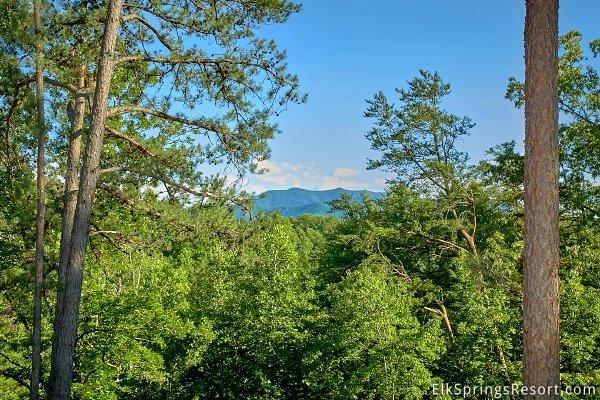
[295, 201]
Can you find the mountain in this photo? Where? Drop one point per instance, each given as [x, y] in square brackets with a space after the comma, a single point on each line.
[295, 201]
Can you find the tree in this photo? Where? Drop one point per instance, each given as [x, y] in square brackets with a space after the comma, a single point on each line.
[418, 144]
[260, 300]
[375, 344]
[65, 328]
[249, 72]
[443, 221]
[578, 87]
[541, 252]
[36, 357]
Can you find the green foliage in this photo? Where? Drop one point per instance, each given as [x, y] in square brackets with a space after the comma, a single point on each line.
[373, 346]
[417, 140]
[579, 102]
[182, 300]
[260, 302]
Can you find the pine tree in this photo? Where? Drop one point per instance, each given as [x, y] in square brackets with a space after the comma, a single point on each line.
[541, 253]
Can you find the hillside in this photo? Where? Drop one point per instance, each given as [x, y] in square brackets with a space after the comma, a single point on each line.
[295, 201]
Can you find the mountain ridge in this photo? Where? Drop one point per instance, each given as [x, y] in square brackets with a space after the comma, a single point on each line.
[296, 201]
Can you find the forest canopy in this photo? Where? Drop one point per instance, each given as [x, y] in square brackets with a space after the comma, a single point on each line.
[182, 299]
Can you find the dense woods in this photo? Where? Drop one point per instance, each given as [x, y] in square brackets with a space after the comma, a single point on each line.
[126, 271]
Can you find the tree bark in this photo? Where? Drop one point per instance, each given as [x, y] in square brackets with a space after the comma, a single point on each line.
[541, 256]
[36, 354]
[71, 185]
[66, 325]
[70, 197]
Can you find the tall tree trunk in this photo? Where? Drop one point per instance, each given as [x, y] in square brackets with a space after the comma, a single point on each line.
[541, 257]
[71, 181]
[36, 355]
[76, 116]
[66, 325]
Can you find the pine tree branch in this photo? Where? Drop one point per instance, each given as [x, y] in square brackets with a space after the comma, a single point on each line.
[175, 184]
[148, 25]
[220, 130]
[116, 134]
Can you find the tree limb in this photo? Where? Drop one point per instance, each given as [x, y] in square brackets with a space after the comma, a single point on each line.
[115, 133]
[174, 184]
[438, 240]
[221, 131]
[156, 32]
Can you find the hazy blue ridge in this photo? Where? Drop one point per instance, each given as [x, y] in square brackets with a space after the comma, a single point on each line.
[295, 201]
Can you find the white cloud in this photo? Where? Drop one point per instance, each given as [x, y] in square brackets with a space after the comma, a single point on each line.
[345, 172]
[332, 182]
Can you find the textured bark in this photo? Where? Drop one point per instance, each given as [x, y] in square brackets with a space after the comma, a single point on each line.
[65, 327]
[71, 185]
[36, 354]
[76, 117]
[541, 257]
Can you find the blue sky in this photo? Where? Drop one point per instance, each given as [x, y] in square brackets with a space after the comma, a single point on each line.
[345, 50]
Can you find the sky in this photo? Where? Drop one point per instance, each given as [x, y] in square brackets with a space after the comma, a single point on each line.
[346, 50]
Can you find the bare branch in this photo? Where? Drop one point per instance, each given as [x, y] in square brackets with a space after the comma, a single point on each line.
[179, 60]
[103, 233]
[438, 240]
[443, 313]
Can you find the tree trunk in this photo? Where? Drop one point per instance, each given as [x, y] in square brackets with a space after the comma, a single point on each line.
[36, 354]
[71, 181]
[66, 324]
[70, 197]
[541, 257]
